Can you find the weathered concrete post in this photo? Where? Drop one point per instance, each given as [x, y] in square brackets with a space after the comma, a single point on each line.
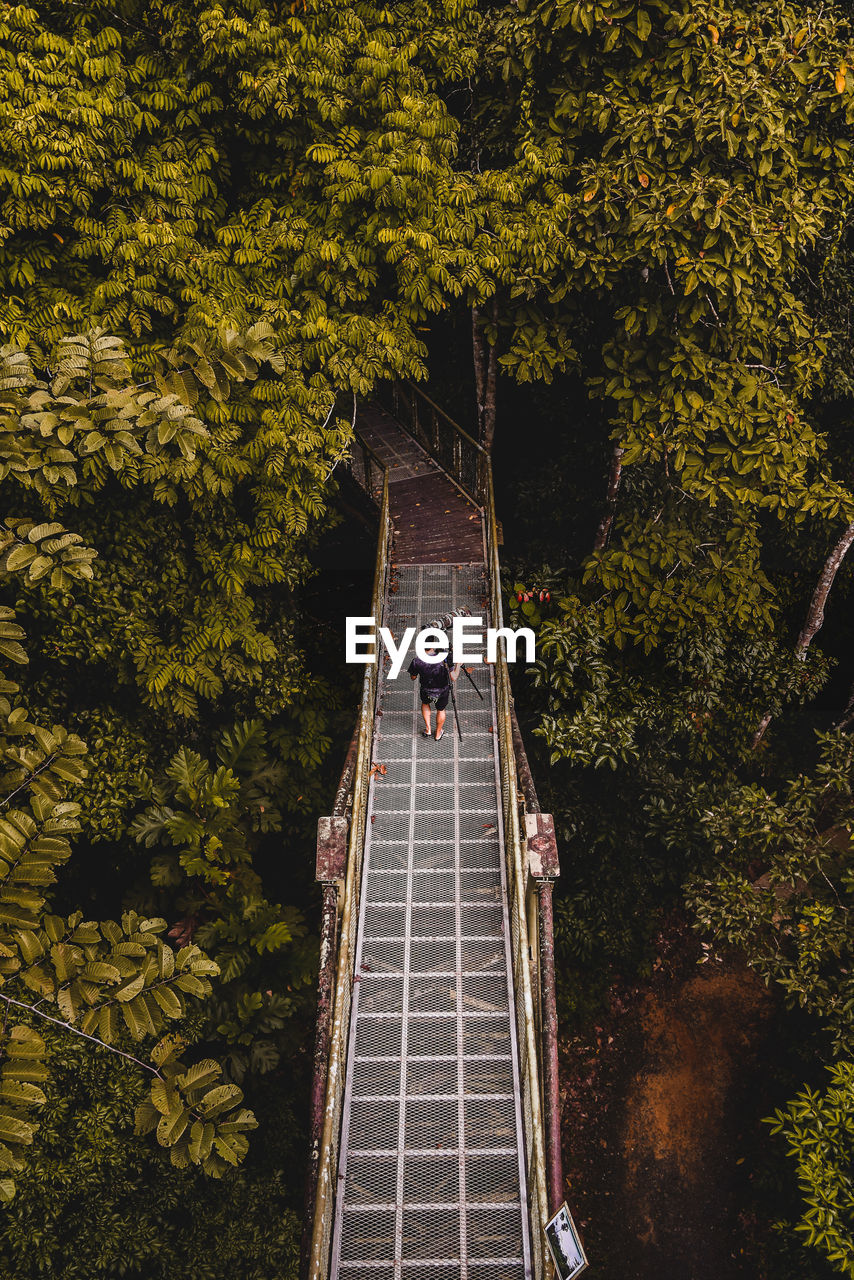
[544, 868]
[330, 871]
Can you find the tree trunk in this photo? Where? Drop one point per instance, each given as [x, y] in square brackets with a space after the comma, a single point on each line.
[848, 713]
[477, 345]
[614, 475]
[491, 391]
[815, 613]
[485, 357]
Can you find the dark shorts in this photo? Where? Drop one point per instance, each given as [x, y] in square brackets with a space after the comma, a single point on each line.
[439, 697]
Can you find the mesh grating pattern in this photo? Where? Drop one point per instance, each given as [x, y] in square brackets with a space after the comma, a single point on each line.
[434, 886]
[432, 1157]
[431, 1233]
[376, 1078]
[431, 1179]
[380, 994]
[507, 1271]
[371, 1179]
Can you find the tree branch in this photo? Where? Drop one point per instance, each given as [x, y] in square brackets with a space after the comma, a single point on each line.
[31, 777]
[20, 1004]
[479, 360]
[815, 613]
[614, 476]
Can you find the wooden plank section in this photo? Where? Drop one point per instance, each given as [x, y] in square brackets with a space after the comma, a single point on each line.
[403, 456]
[433, 522]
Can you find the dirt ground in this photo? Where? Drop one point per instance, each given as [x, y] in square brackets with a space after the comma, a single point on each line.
[662, 1106]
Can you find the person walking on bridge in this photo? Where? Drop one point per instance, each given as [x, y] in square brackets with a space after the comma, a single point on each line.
[435, 675]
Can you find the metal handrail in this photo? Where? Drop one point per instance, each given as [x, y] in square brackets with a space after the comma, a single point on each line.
[371, 466]
[518, 882]
[327, 1177]
[464, 459]
[452, 422]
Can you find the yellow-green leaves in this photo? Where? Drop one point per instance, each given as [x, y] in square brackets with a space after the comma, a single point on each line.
[670, 180]
[193, 1113]
[22, 1070]
[10, 637]
[113, 981]
[88, 968]
[816, 1127]
[39, 550]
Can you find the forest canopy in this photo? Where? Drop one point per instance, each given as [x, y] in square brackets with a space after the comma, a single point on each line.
[617, 238]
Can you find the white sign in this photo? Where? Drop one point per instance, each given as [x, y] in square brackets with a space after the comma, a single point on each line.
[564, 1245]
[360, 636]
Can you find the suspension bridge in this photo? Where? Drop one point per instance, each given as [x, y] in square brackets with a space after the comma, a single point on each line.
[435, 1144]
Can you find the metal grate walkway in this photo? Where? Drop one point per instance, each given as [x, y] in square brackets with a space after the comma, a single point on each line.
[432, 1168]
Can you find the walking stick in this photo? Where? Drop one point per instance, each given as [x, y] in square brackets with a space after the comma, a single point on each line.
[472, 683]
[456, 715]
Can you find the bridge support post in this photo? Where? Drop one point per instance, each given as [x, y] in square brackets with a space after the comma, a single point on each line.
[551, 1082]
[330, 870]
[544, 869]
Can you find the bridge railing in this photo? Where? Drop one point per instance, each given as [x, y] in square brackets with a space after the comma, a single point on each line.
[367, 469]
[327, 1172]
[519, 884]
[469, 464]
[465, 460]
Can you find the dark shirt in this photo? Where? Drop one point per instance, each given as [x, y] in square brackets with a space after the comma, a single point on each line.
[434, 675]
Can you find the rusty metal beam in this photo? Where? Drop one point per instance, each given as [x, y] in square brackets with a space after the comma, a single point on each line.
[331, 860]
[543, 863]
[317, 1267]
[345, 785]
[326, 974]
[551, 1081]
[544, 867]
[526, 779]
[330, 868]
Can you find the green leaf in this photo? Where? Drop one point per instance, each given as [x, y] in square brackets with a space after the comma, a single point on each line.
[20, 557]
[201, 1141]
[220, 1099]
[171, 1127]
[168, 1001]
[15, 1130]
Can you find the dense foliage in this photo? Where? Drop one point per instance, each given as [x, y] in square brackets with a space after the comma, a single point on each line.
[683, 192]
[221, 224]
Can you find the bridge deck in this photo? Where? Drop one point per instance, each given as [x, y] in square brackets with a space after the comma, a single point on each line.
[432, 1156]
[433, 522]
